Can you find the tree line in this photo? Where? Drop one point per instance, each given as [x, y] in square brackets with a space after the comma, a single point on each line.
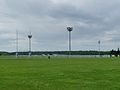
[63, 53]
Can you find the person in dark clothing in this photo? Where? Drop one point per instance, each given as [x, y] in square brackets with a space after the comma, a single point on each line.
[48, 56]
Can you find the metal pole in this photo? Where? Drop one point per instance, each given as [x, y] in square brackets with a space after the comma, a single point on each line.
[69, 43]
[29, 46]
[16, 43]
[99, 47]
[29, 37]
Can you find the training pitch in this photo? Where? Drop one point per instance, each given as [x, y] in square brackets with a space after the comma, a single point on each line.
[40, 73]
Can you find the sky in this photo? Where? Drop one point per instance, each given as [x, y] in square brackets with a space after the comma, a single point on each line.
[47, 20]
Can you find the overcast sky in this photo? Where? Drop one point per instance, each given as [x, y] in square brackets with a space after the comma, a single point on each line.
[92, 20]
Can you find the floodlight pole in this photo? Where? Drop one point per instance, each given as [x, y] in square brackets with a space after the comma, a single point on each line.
[69, 42]
[69, 30]
[16, 43]
[99, 42]
[30, 37]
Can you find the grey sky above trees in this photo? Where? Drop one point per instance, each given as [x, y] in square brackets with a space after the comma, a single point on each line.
[92, 20]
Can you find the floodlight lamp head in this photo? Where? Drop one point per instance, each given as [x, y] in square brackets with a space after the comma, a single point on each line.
[69, 29]
[30, 36]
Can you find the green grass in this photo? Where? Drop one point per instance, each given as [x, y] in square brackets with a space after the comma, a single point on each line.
[59, 73]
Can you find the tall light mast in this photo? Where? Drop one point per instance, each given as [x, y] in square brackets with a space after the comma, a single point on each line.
[69, 41]
[29, 37]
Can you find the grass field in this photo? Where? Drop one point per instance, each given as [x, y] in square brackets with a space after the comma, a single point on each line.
[59, 73]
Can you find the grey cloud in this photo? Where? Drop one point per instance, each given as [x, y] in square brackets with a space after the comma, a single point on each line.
[48, 19]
